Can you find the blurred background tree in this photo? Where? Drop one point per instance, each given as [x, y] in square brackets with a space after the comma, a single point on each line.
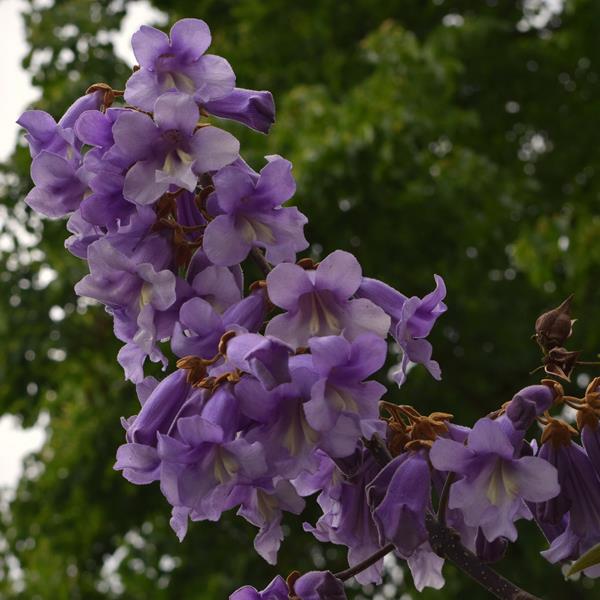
[446, 136]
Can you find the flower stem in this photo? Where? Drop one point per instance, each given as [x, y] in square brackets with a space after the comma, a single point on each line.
[446, 543]
[365, 564]
[261, 262]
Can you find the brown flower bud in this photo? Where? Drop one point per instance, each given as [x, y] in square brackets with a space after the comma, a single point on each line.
[553, 328]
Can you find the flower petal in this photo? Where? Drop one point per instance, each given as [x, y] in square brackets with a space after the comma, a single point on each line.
[190, 38]
[148, 44]
[213, 148]
[176, 111]
[339, 272]
[286, 283]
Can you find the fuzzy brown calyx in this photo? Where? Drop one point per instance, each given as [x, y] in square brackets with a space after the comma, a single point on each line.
[222, 347]
[409, 430]
[557, 388]
[307, 264]
[592, 393]
[196, 368]
[109, 94]
[291, 582]
[589, 416]
[557, 432]
[212, 383]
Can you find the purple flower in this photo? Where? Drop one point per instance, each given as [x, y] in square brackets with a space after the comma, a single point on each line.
[136, 293]
[319, 585]
[412, 321]
[426, 568]
[266, 358]
[340, 401]
[177, 64]
[528, 404]
[59, 187]
[399, 497]
[43, 133]
[276, 590]
[170, 151]
[218, 286]
[252, 108]
[263, 506]
[138, 458]
[588, 420]
[573, 517]
[250, 214]
[200, 326]
[280, 423]
[83, 235]
[315, 585]
[318, 301]
[590, 437]
[105, 167]
[494, 484]
[570, 545]
[347, 516]
[205, 466]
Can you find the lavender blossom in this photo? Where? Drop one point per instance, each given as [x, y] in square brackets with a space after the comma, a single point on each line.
[494, 484]
[399, 496]
[266, 358]
[576, 510]
[138, 458]
[200, 327]
[252, 108]
[319, 301]
[137, 292]
[250, 215]
[177, 63]
[528, 404]
[426, 568]
[341, 403]
[45, 134]
[59, 187]
[263, 506]
[276, 590]
[205, 467]
[411, 322]
[319, 585]
[315, 585]
[346, 518]
[169, 151]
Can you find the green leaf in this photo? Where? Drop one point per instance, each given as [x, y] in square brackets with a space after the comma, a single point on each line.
[585, 561]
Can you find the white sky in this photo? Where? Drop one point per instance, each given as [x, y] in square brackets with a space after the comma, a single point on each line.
[16, 93]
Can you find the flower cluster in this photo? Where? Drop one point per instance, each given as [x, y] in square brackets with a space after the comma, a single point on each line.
[273, 396]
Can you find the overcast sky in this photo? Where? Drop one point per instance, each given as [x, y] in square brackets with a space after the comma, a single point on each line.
[16, 93]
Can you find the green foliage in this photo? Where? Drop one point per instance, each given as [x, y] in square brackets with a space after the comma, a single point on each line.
[462, 145]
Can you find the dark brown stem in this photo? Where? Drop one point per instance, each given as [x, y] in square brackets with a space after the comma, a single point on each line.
[365, 564]
[446, 543]
[261, 262]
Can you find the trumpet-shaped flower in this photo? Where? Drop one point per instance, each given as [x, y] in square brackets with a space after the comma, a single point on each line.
[495, 485]
[319, 301]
